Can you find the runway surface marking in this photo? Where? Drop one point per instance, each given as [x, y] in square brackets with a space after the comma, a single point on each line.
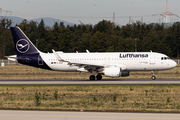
[62, 116]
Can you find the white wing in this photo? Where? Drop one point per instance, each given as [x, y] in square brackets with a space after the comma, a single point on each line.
[87, 66]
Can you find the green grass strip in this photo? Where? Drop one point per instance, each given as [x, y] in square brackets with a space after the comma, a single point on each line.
[129, 98]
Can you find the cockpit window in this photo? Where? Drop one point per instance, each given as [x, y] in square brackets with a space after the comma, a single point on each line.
[165, 58]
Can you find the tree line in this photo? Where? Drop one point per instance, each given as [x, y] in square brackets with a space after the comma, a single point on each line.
[104, 36]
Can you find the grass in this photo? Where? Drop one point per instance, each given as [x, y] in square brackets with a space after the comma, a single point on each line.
[27, 72]
[144, 98]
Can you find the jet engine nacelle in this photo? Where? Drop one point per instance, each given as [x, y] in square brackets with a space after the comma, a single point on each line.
[115, 72]
[112, 72]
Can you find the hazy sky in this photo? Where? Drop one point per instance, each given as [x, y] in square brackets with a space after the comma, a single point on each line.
[91, 11]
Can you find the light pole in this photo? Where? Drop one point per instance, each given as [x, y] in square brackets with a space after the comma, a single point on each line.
[36, 42]
[135, 44]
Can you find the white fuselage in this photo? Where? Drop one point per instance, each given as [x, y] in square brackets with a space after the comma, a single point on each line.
[129, 61]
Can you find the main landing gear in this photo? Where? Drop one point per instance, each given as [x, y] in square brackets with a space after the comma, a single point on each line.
[92, 77]
[98, 77]
[153, 77]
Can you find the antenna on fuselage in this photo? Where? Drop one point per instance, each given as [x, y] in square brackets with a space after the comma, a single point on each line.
[87, 51]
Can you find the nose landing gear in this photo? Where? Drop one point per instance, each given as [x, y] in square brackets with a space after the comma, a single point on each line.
[153, 76]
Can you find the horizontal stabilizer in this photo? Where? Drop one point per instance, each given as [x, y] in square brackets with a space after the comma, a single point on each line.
[14, 58]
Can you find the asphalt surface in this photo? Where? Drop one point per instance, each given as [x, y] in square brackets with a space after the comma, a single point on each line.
[56, 115]
[88, 82]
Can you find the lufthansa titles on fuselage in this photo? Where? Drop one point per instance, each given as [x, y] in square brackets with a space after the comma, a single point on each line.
[133, 55]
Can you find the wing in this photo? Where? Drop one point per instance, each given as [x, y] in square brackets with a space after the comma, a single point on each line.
[87, 66]
[82, 65]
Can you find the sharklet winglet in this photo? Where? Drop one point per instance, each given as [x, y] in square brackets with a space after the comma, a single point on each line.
[58, 57]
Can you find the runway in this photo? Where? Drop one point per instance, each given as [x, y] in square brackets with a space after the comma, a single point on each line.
[59, 115]
[88, 82]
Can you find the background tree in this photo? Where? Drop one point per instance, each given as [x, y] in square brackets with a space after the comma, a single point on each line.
[5, 37]
[102, 37]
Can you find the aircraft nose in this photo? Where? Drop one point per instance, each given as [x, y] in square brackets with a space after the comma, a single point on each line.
[173, 64]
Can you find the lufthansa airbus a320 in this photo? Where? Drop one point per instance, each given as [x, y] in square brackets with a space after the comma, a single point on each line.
[111, 64]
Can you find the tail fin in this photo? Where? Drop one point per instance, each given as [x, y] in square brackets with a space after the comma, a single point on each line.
[22, 43]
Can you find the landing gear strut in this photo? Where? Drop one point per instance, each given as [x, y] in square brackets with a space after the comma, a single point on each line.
[153, 77]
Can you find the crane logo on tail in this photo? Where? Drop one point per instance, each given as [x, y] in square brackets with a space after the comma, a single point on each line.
[22, 46]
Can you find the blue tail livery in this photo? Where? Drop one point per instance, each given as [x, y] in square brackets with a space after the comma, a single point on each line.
[27, 53]
[22, 43]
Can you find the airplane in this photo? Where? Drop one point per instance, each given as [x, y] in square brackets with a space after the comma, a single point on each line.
[110, 64]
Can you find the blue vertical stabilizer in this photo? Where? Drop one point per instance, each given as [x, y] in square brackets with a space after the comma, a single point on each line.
[27, 53]
[22, 43]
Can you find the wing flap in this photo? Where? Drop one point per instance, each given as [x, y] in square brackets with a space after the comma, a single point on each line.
[84, 64]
